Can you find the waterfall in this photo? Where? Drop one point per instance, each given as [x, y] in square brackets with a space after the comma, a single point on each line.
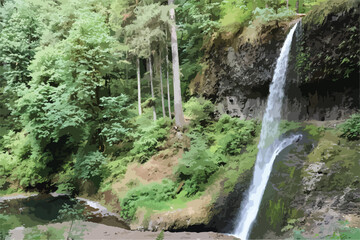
[269, 146]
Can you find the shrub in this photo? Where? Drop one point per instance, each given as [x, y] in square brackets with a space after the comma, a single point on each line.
[142, 195]
[196, 165]
[351, 128]
[24, 161]
[234, 13]
[150, 137]
[199, 110]
[114, 127]
[231, 135]
[269, 14]
[89, 165]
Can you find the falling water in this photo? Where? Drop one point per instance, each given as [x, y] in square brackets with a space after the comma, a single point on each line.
[269, 146]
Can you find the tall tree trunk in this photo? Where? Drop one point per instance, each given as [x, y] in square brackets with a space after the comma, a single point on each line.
[148, 70]
[167, 81]
[152, 86]
[139, 84]
[287, 3]
[179, 115]
[297, 6]
[161, 86]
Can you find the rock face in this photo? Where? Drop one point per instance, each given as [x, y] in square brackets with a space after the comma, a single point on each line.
[313, 186]
[323, 74]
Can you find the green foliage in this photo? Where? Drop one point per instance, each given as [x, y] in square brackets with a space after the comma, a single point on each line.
[89, 165]
[73, 212]
[115, 129]
[143, 195]
[321, 9]
[223, 140]
[235, 12]
[351, 128]
[160, 236]
[25, 162]
[286, 126]
[150, 137]
[238, 166]
[346, 232]
[199, 110]
[197, 20]
[196, 165]
[7, 222]
[231, 135]
[19, 36]
[39, 234]
[314, 131]
[271, 14]
[118, 167]
[290, 225]
[5, 226]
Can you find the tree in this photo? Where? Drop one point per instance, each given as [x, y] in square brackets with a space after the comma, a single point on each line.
[152, 86]
[179, 114]
[19, 38]
[161, 85]
[196, 21]
[167, 80]
[138, 83]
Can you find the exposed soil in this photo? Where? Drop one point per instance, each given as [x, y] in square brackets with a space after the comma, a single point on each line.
[156, 169]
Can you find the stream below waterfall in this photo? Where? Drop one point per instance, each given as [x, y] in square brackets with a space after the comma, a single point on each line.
[44, 209]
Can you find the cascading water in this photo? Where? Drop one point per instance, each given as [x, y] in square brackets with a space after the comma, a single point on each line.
[269, 147]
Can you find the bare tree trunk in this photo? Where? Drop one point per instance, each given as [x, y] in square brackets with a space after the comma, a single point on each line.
[287, 4]
[167, 81]
[297, 6]
[179, 115]
[148, 70]
[161, 87]
[152, 86]
[139, 84]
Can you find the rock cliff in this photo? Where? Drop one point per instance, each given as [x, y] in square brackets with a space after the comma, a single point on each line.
[323, 74]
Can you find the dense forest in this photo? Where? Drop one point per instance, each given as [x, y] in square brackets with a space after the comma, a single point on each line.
[111, 100]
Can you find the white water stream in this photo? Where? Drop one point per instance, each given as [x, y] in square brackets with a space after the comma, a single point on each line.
[269, 146]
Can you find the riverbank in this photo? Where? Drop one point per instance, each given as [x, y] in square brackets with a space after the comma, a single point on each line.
[90, 230]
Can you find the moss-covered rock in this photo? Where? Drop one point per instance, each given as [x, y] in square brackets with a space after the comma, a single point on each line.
[323, 72]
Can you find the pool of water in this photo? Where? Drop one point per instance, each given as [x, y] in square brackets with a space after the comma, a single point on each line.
[44, 208]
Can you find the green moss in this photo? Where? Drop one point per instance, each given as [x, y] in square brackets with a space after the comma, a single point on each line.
[314, 131]
[276, 212]
[341, 160]
[286, 126]
[236, 168]
[319, 13]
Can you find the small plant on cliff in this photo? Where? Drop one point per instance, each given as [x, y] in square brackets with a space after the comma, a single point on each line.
[351, 128]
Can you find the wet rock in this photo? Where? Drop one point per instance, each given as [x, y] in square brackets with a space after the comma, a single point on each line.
[320, 89]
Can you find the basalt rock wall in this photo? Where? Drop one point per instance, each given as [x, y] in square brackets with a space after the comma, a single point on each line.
[323, 73]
